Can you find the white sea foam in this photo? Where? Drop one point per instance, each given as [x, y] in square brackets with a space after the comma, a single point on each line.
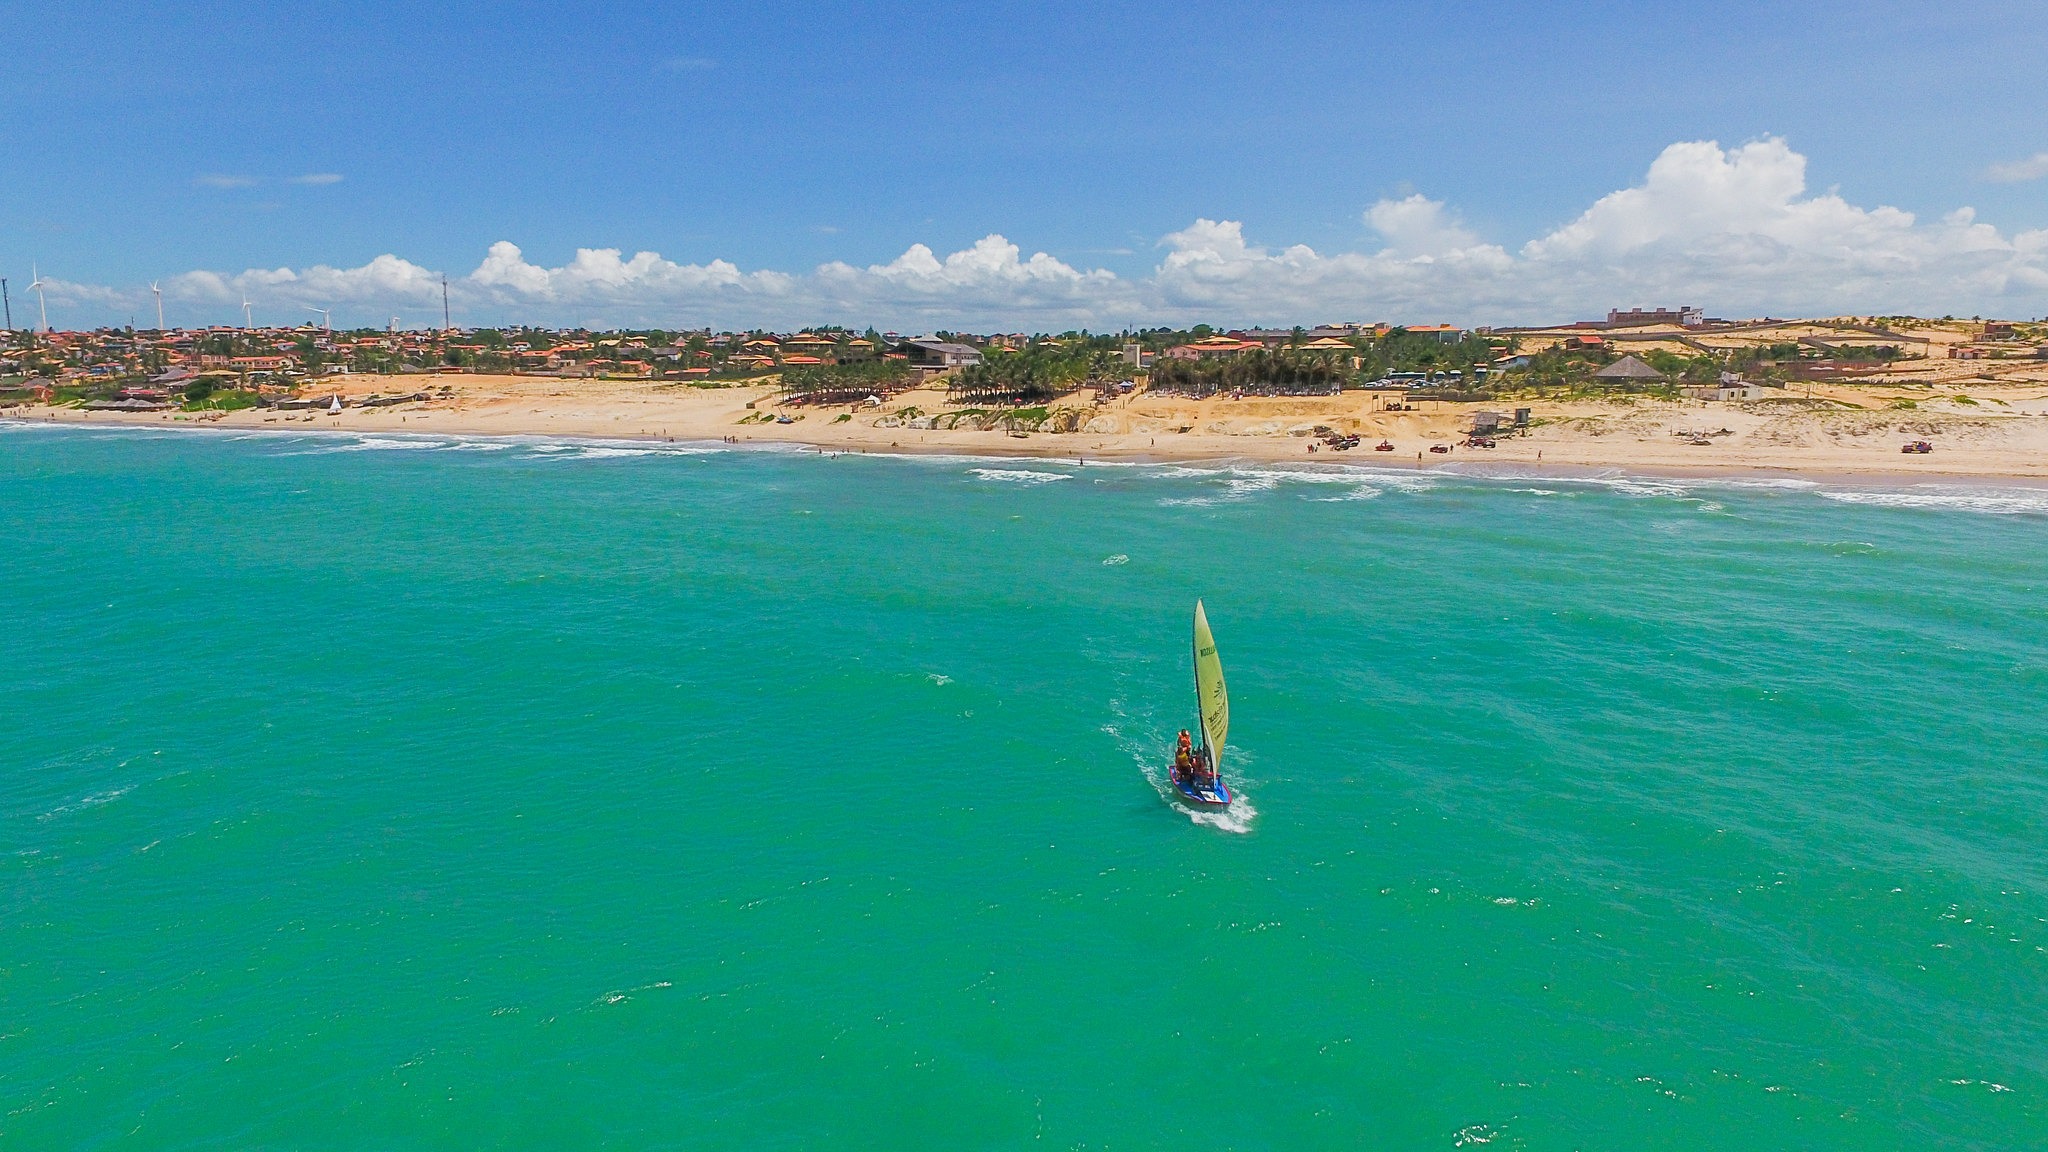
[1645, 489]
[1150, 759]
[1242, 482]
[576, 448]
[1219, 483]
[1019, 475]
[1995, 501]
[1235, 819]
[92, 801]
[593, 452]
[388, 444]
[1359, 492]
[325, 441]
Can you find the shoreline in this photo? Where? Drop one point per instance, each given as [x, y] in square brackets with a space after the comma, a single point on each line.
[1475, 469]
[1997, 434]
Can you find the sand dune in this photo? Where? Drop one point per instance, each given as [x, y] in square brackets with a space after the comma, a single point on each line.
[1997, 427]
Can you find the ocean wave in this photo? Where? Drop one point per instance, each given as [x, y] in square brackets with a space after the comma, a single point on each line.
[386, 444]
[92, 801]
[1994, 501]
[594, 452]
[1242, 482]
[1229, 481]
[531, 447]
[628, 449]
[1020, 475]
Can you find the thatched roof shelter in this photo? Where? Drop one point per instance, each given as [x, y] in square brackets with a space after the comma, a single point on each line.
[1628, 368]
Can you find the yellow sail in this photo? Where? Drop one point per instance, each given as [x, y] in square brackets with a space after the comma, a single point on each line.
[1211, 701]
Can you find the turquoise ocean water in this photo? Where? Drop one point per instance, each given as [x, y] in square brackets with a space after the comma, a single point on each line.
[363, 792]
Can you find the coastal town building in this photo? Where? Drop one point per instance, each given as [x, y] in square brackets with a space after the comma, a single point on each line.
[1730, 387]
[1213, 348]
[929, 352]
[1328, 344]
[259, 365]
[813, 347]
[1685, 316]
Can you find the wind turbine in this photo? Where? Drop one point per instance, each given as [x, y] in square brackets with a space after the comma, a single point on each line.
[159, 305]
[248, 319]
[326, 318]
[42, 305]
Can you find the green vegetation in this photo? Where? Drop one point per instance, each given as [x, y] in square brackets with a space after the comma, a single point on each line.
[1043, 370]
[1868, 353]
[828, 383]
[1403, 351]
[1690, 369]
[1556, 370]
[218, 401]
[1262, 372]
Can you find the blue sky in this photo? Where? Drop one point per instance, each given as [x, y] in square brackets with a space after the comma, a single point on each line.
[150, 142]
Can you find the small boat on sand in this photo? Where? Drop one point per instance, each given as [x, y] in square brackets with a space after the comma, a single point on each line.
[1197, 771]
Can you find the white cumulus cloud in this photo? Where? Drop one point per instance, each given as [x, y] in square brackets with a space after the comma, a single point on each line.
[1419, 226]
[2019, 171]
[1733, 230]
[1730, 229]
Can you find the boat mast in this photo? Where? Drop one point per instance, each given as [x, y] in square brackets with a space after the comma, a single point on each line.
[1195, 671]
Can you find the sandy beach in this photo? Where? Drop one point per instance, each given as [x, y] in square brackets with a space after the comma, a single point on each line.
[1978, 427]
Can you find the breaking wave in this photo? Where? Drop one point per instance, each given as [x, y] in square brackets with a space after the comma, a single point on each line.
[1020, 475]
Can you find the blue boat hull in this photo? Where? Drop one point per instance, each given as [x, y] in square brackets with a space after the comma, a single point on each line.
[1210, 794]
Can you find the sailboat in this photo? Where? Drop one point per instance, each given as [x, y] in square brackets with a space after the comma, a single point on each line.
[1201, 784]
[334, 406]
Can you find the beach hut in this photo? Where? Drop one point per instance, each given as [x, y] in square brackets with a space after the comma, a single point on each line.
[1628, 370]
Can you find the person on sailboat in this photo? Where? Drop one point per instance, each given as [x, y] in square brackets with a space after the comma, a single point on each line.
[1184, 756]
